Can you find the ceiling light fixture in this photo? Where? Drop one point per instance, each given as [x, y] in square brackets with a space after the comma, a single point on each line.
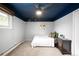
[38, 12]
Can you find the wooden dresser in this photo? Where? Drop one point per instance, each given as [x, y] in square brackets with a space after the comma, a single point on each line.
[64, 45]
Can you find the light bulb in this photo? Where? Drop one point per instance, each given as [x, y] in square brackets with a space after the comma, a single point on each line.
[38, 12]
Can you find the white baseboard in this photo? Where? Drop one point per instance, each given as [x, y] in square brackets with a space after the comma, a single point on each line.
[11, 49]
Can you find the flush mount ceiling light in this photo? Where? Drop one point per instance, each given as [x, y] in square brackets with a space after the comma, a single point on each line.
[39, 12]
[41, 8]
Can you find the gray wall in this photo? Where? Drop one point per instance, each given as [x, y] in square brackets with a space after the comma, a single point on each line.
[33, 28]
[11, 36]
[64, 26]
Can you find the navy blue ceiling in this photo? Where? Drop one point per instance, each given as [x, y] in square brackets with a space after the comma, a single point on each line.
[26, 11]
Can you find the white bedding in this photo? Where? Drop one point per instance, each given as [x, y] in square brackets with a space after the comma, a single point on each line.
[42, 41]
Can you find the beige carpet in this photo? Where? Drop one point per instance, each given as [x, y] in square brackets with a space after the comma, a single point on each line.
[25, 49]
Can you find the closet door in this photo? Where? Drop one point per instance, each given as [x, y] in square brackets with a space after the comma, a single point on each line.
[76, 31]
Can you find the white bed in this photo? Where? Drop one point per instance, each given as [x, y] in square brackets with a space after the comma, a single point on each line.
[42, 41]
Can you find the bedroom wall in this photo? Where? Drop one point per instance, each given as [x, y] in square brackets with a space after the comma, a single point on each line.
[64, 26]
[11, 36]
[33, 28]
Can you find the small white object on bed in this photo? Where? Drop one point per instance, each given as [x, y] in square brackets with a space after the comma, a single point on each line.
[42, 41]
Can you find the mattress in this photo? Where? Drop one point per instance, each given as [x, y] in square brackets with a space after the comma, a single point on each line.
[42, 41]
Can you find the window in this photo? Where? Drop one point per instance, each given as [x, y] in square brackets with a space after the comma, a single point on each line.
[5, 20]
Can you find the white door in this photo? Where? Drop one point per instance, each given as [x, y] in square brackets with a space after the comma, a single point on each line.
[76, 31]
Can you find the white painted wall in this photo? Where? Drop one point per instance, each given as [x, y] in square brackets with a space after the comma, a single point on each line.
[11, 36]
[64, 26]
[33, 28]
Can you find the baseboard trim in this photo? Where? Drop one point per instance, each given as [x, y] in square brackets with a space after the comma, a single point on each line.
[11, 49]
